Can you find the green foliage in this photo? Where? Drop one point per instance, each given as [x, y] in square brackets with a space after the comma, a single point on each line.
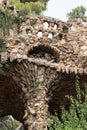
[78, 12]
[30, 8]
[23, 1]
[2, 44]
[7, 22]
[76, 117]
[4, 22]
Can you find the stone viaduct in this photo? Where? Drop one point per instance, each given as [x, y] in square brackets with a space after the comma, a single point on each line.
[43, 60]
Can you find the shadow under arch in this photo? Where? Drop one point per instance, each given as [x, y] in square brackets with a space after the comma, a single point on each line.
[59, 89]
[44, 52]
[10, 101]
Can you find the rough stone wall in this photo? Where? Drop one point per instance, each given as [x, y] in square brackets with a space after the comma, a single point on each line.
[65, 43]
[43, 60]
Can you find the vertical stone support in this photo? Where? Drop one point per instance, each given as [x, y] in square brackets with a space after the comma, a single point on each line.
[32, 81]
[42, 108]
[37, 107]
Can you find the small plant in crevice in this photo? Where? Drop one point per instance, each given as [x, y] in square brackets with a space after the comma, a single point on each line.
[2, 44]
[17, 21]
[33, 22]
[76, 117]
[2, 66]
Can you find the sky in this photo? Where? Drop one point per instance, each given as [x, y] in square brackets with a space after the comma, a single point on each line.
[59, 8]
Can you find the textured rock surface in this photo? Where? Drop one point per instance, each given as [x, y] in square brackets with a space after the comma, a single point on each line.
[50, 42]
[43, 60]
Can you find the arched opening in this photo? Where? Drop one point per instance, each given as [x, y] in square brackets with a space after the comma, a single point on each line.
[59, 89]
[55, 26]
[29, 32]
[40, 34]
[44, 52]
[45, 25]
[50, 35]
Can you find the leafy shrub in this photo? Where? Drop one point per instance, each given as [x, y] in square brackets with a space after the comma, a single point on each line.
[30, 8]
[7, 22]
[76, 117]
[2, 44]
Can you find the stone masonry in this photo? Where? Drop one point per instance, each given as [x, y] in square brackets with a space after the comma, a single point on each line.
[43, 58]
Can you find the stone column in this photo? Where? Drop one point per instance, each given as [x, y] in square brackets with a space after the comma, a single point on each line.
[32, 81]
[37, 107]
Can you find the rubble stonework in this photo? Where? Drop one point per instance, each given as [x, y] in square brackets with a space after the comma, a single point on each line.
[43, 60]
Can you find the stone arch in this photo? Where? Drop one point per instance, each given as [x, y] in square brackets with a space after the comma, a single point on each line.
[44, 52]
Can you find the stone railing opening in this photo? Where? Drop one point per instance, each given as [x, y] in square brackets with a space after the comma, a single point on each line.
[39, 34]
[60, 36]
[55, 27]
[50, 35]
[29, 32]
[44, 52]
[45, 25]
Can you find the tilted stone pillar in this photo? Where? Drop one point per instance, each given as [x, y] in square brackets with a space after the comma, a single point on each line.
[33, 82]
[37, 107]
